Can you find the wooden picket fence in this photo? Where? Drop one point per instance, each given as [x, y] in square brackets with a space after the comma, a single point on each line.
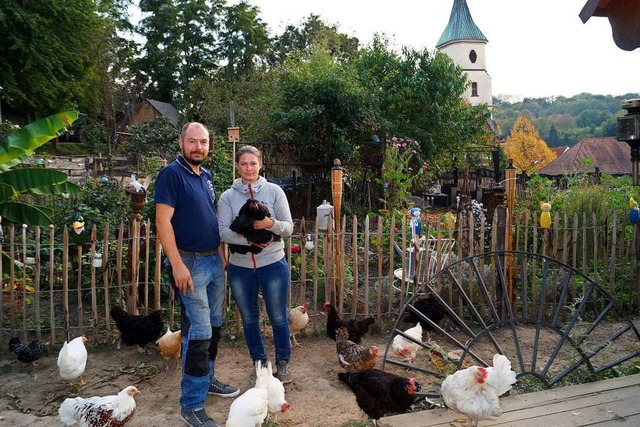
[59, 293]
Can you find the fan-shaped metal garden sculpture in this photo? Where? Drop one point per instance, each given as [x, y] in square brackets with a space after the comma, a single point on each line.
[550, 320]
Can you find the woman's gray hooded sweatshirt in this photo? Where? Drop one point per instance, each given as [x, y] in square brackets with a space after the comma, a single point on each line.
[271, 196]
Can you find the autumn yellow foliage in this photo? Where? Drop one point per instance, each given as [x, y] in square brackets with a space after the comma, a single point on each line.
[529, 152]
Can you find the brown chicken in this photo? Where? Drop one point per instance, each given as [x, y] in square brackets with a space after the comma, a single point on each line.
[354, 357]
[170, 345]
[298, 319]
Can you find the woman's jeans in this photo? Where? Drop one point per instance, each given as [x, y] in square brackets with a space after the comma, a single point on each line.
[201, 320]
[273, 281]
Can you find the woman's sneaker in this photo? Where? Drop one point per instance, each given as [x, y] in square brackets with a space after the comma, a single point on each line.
[284, 374]
[221, 389]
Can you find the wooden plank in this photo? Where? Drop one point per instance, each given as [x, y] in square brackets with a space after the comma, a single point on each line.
[599, 402]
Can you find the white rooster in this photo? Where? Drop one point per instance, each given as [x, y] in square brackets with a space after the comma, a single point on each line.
[251, 407]
[275, 388]
[72, 359]
[474, 391]
[113, 411]
[405, 348]
[298, 318]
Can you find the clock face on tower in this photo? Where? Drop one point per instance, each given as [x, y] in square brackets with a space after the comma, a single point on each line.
[473, 56]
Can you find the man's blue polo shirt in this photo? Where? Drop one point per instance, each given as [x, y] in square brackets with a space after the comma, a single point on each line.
[195, 223]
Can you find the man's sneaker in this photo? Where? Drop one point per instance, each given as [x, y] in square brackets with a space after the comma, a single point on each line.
[221, 389]
[198, 418]
[284, 374]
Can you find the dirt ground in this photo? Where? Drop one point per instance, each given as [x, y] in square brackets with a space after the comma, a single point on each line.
[31, 396]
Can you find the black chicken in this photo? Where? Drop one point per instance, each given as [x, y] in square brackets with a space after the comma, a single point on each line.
[27, 353]
[137, 330]
[430, 307]
[380, 393]
[250, 212]
[356, 328]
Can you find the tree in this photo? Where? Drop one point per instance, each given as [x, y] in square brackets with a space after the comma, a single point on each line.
[45, 62]
[528, 151]
[419, 95]
[320, 108]
[312, 34]
[242, 40]
[180, 44]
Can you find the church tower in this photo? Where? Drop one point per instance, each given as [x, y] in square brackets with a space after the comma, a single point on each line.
[463, 41]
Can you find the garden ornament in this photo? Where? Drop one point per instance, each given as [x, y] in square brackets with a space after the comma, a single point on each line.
[416, 223]
[634, 212]
[545, 216]
[308, 245]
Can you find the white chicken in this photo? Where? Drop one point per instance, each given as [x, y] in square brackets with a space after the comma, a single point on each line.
[275, 388]
[298, 318]
[474, 391]
[72, 359]
[251, 407]
[113, 411]
[406, 348]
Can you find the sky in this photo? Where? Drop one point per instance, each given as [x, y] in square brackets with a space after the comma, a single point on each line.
[537, 48]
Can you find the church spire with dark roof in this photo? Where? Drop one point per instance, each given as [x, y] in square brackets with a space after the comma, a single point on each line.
[460, 26]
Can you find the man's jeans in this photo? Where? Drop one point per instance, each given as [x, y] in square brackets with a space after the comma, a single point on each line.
[201, 320]
[273, 281]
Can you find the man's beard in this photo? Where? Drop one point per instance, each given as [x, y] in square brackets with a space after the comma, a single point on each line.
[191, 160]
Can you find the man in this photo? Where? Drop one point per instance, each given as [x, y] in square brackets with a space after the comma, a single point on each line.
[188, 230]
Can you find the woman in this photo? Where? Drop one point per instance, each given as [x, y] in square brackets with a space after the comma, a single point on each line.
[254, 270]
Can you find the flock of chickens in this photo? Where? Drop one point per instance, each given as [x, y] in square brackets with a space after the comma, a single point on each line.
[473, 391]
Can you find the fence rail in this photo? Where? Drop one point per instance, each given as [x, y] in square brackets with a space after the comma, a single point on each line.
[54, 290]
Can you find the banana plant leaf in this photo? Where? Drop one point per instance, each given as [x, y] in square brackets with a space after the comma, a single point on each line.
[55, 189]
[23, 180]
[34, 135]
[7, 193]
[26, 214]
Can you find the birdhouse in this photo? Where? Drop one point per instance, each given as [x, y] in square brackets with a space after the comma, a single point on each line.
[234, 134]
[545, 215]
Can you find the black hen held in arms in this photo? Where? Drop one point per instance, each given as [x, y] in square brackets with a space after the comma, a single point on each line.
[251, 212]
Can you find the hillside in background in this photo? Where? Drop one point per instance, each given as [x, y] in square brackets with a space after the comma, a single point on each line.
[562, 121]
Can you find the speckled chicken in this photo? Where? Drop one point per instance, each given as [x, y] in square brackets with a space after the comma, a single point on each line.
[27, 353]
[170, 345]
[354, 357]
[97, 411]
[298, 318]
